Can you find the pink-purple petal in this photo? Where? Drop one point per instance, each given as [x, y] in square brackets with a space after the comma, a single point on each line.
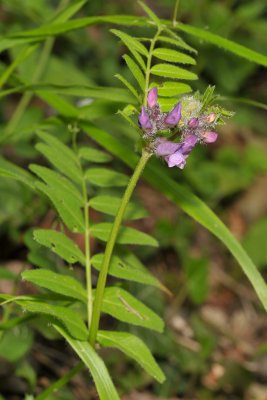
[174, 115]
[152, 97]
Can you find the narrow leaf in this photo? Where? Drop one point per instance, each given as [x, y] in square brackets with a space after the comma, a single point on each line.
[94, 155]
[60, 244]
[122, 268]
[70, 319]
[171, 71]
[61, 156]
[173, 56]
[128, 85]
[170, 89]
[59, 183]
[110, 205]
[122, 305]
[133, 347]
[150, 13]
[126, 235]
[178, 42]
[68, 210]
[9, 170]
[104, 177]
[96, 366]
[134, 46]
[133, 42]
[58, 283]
[136, 71]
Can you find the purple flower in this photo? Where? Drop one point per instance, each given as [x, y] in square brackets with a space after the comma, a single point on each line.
[174, 115]
[152, 97]
[175, 154]
[209, 137]
[165, 147]
[193, 123]
[144, 120]
[211, 118]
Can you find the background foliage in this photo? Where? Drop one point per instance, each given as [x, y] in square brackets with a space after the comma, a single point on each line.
[214, 342]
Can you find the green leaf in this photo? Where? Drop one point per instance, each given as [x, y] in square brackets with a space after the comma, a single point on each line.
[58, 283]
[126, 235]
[59, 155]
[116, 95]
[44, 31]
[136, 71]
[131, 41]
[9, 170]
[128, 85]
[110, 205]
[184, 198]
[60, 244]
[23, 55]
[170, 89]
[133, 347]
[150, 13]
[176, 41]
[173, 56]
[171, 71]
[94, 155]
[70, 319]
[104, 177]
[134, 46]
[67, 208]
[127, 267]
[96, 366]
[69, 11]
[226, 44]
[59, 183]
[122, 305]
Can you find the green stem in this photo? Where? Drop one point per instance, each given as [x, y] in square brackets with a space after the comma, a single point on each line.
[52, 389]
[175, 12]
[148, 65]
[101, 283]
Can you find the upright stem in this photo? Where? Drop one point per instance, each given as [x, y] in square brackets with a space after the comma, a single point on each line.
[101, 283]
[148, 65]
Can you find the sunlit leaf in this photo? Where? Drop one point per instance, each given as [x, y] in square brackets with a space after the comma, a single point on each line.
[173, 56]
[172, 71]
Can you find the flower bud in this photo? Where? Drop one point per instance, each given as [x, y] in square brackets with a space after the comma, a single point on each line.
[144, 121]
[209, 137]
[174, 115]
[193, 123]
[152, 97]
[189, 143]
[211, 118]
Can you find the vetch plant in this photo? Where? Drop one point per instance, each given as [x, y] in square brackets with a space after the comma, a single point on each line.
[169, 122]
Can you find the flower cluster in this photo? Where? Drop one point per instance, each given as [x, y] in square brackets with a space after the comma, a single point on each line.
[185, 118]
